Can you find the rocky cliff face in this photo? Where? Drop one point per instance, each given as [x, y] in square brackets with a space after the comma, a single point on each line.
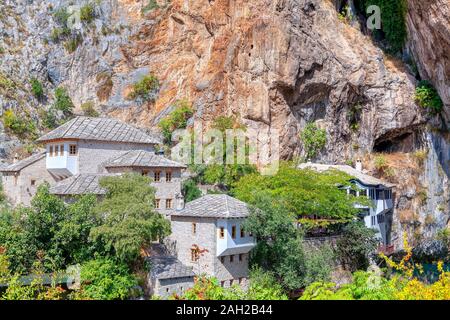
[428, 24]
[273, 64]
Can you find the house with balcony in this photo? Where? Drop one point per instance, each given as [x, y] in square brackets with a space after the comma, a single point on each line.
[81, 151]
[208, 238]
[378, 216]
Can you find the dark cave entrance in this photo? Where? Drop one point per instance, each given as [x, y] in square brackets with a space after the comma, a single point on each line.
[403, 142]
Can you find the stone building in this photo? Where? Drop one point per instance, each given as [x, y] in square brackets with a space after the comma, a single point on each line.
[208, 235]
[81, 151]
[378, 216]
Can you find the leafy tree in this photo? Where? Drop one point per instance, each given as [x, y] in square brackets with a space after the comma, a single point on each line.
[279, 246]
[355, 246]
[177, 119]
[303, 193]
[129, 220]
[319, 264]
[190, 190]
[63, 101]
[36, 88]
[264, 286]
[428, 98]
[314, 139]
[20, 126]
[105, 279]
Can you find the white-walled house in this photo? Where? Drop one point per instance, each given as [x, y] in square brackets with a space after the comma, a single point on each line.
[378, 216]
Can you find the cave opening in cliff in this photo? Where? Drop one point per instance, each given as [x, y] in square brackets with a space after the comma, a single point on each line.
[404, 142]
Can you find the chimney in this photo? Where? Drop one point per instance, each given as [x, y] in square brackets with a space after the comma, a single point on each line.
[16, 158]
[358, 165]
[180, 202]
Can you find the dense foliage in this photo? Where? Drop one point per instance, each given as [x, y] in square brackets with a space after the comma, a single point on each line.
[355, 246]
[393, 21]
[190, 190]
[177, 119]
[129, 220]
[279, 248]
[36, 88]
[303, 193]
[313, 139]
[63, 102]
[428, 98]
[18, 125]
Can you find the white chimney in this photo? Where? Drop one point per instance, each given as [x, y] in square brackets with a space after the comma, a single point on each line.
[180, 202]
[16, 158]
[358, 165]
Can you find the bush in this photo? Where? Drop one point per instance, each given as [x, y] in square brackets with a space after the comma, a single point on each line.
[87, 13]
[105, 279]
[59, 33]
[151, 5]
[428, 98]
[72, 44]
[18, 125]
[145, 89]
[177, 119]
[89, 109]
[36, 88]
[314, 140]
[63, 101]
[190, 190]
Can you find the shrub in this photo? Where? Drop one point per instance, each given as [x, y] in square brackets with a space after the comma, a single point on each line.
[177, 119]
[314, 139]
[151, 5]
[428, 98]
[380, 162]
[72, 44]
[2, 50]
[87, 13]
[18, 125]
[58, 33]
[36, 88]
[190, 190]
[61, 16]
[63, 101]
[89, 109]
[145, 89]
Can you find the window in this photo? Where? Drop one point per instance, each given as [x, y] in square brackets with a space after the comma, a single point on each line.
[167, 289]
[50, 151]
[242, 232]
[194, 255]
[222, 232]
[168, 176]
[61, 150]
[168, 203]
[373, 221]
[233, 232]
[56, 151]
[194, 228]
[73, 149]
[145, 172]
[241, 280]
[380, 218]
[157, 176]
[157, 203]
[231, 258]
[222, 284]
[222, 259]
[241, 257]
[15, 180]
[33, 182]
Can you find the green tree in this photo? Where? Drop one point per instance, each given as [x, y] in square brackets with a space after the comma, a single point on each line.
[303, 193]
[190, 190]
[105, 279]
[314, 139]
[129, 220]
[355, 246]
[177, 119]
[146, 89]
[36, 88]
[63, 101]
[427, 97]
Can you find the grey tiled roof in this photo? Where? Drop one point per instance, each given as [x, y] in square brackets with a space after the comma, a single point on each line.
[214, 206]
[141, 158]
[15, 167]
[80, 184]
[99, 129]
[168, 267]
[358, 175]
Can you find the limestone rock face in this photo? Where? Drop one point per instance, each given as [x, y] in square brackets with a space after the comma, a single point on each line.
[428, 24]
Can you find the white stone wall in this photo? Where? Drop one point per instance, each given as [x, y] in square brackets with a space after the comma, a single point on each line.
[18, 187]
[92, 154]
